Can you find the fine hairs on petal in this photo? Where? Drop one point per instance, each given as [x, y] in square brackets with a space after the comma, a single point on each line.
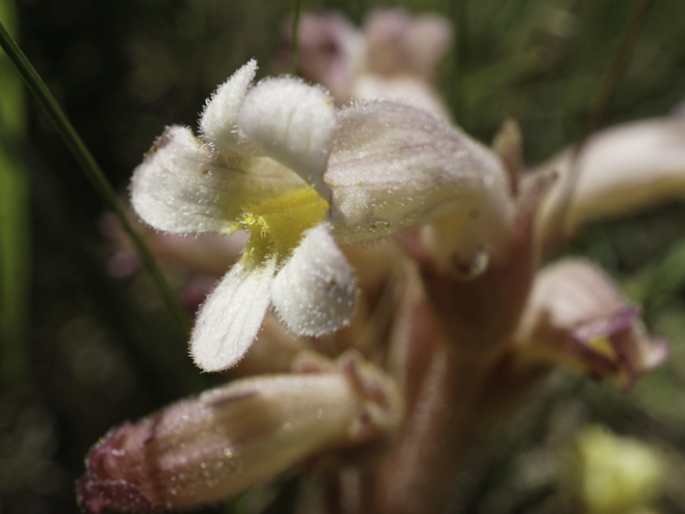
[220, 116]
[231, 316]
[173, 188]
[395, 167]
[293, 123]
[314, 294]
[179, 188]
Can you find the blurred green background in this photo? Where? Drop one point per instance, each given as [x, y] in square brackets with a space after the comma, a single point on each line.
[82, 351]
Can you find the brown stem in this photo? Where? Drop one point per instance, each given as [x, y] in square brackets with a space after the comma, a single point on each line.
[419, 474]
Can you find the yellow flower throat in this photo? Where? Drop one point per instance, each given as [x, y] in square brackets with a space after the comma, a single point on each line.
[276, 226]
[603, 346]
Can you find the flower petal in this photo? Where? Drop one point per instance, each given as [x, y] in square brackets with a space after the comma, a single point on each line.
[178, 188]
[394, 167]
[292, 123]
[315, 292]
[229, 320]
[576, 315]
[619, 170]
[405, 89]
[219, 118]
[614, 473]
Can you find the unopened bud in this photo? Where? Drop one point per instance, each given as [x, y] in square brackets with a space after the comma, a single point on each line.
[228, 439]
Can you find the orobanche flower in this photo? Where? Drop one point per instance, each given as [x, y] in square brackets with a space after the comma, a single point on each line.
[611, 473]
[277, 160]
[576, 317]
[394, 56]
[258, 167]
[232, 437]
[464, 326]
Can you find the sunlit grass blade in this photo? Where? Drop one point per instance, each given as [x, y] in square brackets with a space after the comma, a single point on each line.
[14, 269]
[606, 91]
[14, 232]
[90, 168]
[455, 92]
[295, 28]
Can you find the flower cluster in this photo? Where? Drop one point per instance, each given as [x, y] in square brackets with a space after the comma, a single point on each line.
[264, 164]
[393, 56]
[258, 167]
[463, 320]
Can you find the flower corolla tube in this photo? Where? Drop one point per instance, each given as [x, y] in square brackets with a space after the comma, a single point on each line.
[279, 161]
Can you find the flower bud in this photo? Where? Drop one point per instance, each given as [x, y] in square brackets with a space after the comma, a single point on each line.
[230, 438]
[577, 317]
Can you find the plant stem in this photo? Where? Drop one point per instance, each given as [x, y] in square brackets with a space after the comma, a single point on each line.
[420, 474]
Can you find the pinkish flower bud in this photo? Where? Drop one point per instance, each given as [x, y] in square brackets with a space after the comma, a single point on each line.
[228, 439]
[400, 43]
[332, 52]
[577, 317]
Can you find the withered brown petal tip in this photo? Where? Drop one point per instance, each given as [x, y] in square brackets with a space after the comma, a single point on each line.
[100, 496]
[100, 490]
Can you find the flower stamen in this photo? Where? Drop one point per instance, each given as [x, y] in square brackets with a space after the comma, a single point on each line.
[276, 226]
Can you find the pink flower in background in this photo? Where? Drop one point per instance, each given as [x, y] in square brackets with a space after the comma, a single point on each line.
[394, 56]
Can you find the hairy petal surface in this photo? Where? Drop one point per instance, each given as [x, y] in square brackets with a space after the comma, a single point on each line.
[180, 189]
[220, 116]
[228, 439]
[231, 316]
[405, 89]
[394, 167]
[293, 123]
[314, 293]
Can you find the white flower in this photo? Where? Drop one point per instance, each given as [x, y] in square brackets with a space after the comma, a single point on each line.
[394, 56]
[261, 149]
[263, 165]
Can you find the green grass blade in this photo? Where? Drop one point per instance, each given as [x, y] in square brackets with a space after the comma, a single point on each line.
[90, 168]
[295, 29]
[14, 269]
[14, 225]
